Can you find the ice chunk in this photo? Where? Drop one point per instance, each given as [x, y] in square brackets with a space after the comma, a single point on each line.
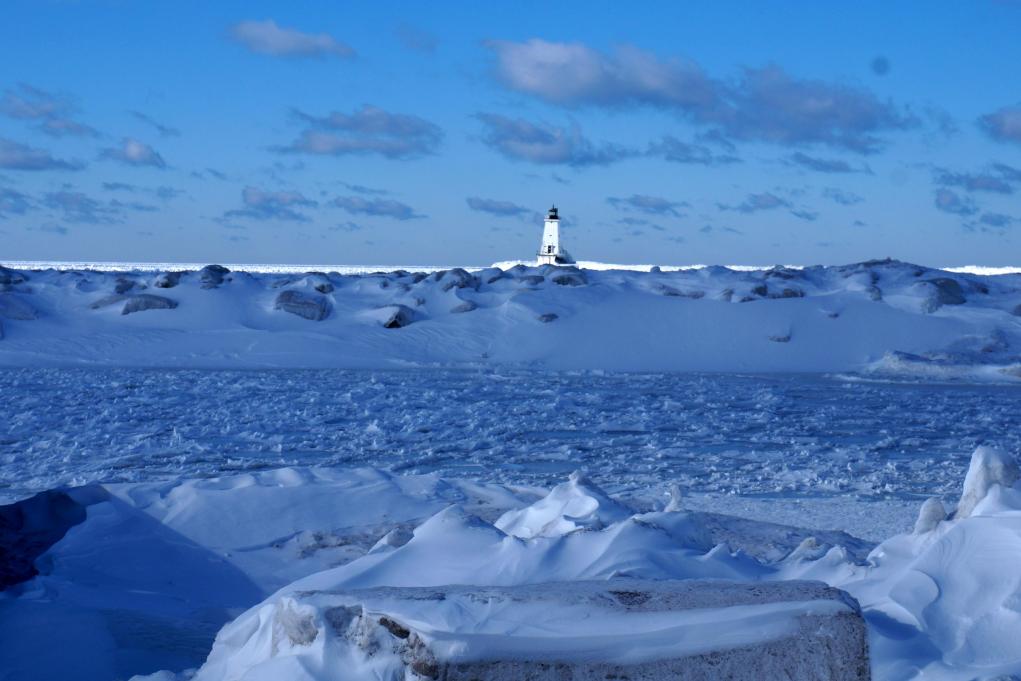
[930, 515]
[988, 467]
[674, 505]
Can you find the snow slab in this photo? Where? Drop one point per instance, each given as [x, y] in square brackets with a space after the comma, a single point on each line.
[837, 318]
[616, 629]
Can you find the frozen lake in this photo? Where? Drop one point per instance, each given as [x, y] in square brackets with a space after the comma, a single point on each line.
[834, 444]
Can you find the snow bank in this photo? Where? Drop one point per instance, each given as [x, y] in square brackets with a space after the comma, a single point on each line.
[709, 319]
[942, 601]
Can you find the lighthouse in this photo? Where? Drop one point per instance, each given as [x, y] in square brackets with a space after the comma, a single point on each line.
[551, 252]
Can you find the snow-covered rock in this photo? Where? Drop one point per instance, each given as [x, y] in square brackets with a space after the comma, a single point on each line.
[456, 278]
[147, 301]
[453, 547]
[135, 302]
[940, 291]
[616, 629]
[212, 276]
[311, 306]
[167, 279]
[396, 316]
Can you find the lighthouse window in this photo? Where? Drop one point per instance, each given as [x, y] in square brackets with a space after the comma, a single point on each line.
[549, 249]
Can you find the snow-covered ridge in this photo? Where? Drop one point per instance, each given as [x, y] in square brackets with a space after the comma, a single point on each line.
[889, 317]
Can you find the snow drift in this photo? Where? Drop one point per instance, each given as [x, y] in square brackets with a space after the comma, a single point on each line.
[172, 562]
[889, 317]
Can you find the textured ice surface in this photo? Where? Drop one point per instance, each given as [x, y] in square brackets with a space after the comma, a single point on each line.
[732, 443]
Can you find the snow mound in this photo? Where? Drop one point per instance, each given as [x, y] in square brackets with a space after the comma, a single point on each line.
[574, 505]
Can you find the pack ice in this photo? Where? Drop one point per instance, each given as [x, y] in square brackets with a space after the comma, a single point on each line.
[882, 316]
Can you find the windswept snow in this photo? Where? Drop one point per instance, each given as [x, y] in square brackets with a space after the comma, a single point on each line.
[171, 562]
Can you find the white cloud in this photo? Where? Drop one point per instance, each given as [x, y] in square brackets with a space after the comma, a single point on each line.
[266, 37]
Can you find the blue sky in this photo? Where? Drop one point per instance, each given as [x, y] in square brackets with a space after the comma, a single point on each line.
[436, 133]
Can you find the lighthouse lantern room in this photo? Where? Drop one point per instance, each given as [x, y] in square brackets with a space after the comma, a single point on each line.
[551, 252]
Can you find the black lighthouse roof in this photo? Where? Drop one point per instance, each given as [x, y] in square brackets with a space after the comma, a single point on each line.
[553, 214]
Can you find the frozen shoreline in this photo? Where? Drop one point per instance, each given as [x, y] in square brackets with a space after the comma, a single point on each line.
[269, 268]
[884, 318]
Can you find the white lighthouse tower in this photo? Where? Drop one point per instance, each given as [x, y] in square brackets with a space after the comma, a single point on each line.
[551, 252]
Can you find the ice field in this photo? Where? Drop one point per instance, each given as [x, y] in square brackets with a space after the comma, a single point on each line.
[732, 442]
